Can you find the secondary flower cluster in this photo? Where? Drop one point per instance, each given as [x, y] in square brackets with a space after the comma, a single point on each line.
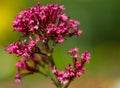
[72, 71]
[23, 64]
[21, 48]
[49, 22]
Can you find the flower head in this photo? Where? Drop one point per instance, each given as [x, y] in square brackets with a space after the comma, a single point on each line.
[49, 22]
[76, 70]
[22, 48]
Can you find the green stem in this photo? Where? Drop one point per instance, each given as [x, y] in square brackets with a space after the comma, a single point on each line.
[54, 81]
[49, 54]
[48, 75]
[43, 74]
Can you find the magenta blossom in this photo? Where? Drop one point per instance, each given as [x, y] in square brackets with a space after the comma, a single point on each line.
[73, 50]
[22, 48]
[71, 72]
[49, 22]
[85, 56]
[42, 28]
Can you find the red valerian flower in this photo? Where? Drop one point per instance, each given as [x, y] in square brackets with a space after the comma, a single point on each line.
[42, 28]
[49, 22]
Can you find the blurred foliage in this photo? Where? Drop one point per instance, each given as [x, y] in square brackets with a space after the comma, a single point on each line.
[100, 21]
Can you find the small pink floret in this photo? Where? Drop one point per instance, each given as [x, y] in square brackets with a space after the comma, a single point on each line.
[85, 56]
[72, 50]
[60, 40]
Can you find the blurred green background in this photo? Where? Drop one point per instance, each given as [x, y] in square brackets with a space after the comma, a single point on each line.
[100, 22]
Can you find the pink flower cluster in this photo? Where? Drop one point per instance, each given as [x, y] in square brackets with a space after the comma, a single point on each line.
[43, 27]
[24, 65]
[27, 52]
[72, 71]
[21, 48]
[48, 22]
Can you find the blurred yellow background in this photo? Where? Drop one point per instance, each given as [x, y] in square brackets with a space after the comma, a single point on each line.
[100, 22]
